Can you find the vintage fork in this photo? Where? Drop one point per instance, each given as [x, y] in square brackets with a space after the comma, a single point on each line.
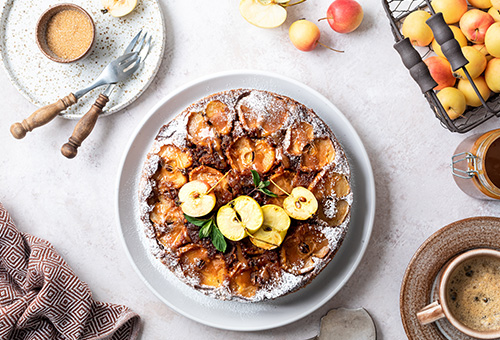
[140, 46]
[118, 70]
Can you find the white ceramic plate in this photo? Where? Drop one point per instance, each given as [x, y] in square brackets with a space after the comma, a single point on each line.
[43, 81]
[237, 315]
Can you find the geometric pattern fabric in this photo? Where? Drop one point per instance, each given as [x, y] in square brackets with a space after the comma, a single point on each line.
[42, 298]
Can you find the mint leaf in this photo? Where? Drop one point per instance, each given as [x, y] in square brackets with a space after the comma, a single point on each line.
[268, 192]
[196, 221]
[256, 177]
[206, 229]
[218, 239]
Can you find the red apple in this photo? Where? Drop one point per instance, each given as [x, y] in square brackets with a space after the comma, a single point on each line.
[344, 16]
[440, 70]
[474, 24]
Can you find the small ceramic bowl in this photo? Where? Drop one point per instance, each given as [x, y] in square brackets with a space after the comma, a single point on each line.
[41, 30]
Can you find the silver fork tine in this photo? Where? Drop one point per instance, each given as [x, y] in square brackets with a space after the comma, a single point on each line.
[127, 64]
[140, 44]
[128, 71]
[120, 60]
[148, 48]
[130, 46]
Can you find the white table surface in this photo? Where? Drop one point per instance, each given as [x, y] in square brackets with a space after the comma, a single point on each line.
[71, 202]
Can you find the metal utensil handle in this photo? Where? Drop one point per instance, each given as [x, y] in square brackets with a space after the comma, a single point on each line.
[84, 127]
[413, 62]
[445, 38]
[470, 159]
[42, 116]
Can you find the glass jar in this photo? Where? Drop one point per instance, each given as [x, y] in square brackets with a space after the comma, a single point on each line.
[476, 165]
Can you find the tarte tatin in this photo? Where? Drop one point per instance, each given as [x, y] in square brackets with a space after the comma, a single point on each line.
[224, 140]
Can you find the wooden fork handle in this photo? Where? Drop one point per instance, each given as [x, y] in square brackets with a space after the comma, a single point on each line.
[42, 116]
[84, 127]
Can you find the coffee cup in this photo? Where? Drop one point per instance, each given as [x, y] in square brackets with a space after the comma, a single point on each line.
[469, 294]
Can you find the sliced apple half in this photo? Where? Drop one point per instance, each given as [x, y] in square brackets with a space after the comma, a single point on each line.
[301, 204]
[119, 8]
[195, 199]
[241, 216]
[263, 14]
[274, 227]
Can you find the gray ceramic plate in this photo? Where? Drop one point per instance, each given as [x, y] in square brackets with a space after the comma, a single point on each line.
[231, 314]
[420, 276]
[43, 81]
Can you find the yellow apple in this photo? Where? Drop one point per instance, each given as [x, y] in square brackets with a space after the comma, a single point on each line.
[440, 70]
[492, 75]
[496, 4]
[481, 48]
[453, 101]
[263, 15]
[119, 8]
[459, 36]
[474, 24]
[300, 204]
[477, 63]
[195, 198]
[471, 97]
[495, 13]
[273, 230]
[480, 3]
[452, 9]
[304, 35]
[416, 29]
[492, 40]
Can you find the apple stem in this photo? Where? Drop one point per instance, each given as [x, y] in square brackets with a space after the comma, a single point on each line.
[330, 47]
[277, 186]
[293, 4]
[227, 173]
[325, 18]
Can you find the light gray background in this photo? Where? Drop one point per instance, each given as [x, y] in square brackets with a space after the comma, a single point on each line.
[71, 202]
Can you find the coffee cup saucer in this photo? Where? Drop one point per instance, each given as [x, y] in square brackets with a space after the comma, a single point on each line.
[420, 275]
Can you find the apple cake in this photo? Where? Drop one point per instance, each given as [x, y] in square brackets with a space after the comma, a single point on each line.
[245, 195]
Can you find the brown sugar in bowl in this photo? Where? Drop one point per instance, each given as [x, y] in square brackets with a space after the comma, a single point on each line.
[65, 33]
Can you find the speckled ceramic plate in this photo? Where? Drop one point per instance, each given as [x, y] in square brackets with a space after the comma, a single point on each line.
[433, 254]
[43, 81]
[232, 314]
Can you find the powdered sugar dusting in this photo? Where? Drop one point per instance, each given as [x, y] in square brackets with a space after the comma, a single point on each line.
[263, 106]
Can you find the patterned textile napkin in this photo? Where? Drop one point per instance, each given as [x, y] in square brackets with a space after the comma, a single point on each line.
[41, 297]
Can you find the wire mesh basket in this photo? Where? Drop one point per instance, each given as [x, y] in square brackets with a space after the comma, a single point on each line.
[397, 11]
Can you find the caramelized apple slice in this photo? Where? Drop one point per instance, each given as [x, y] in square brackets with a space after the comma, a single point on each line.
[263, 113]
[246, 153]
[240, 281]
[166, 211]
[335, 215]
[169, 179]
[329, 184]
[174, 158]
[317, 154]
[301, 134]
[175, 236]
[194, 258]
[284, 181]
[218, 114]
[199, 132]
[300, 248]
[209, 175]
